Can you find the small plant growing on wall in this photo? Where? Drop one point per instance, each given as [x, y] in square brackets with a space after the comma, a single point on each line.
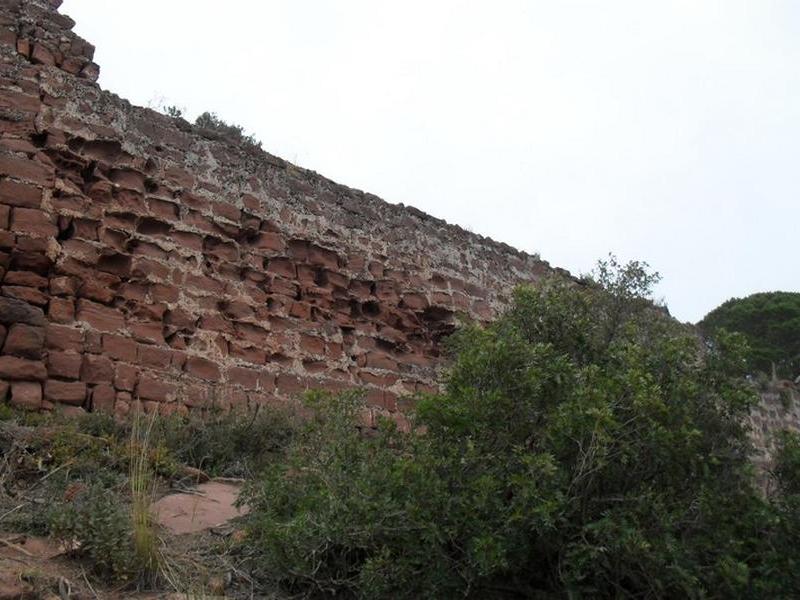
[211, 121]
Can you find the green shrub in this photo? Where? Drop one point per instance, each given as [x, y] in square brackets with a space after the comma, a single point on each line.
[586, 445]
[787, 464]
[771, 324]
[232, 444]
[97, 528]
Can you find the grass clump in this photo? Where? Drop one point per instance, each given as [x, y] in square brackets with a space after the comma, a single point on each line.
[111, 526]
[146, 545]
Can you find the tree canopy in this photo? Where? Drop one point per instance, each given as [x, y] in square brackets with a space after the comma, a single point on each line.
[771, 324]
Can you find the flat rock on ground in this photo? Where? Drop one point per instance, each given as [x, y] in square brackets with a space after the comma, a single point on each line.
[21, 555]
[208, 506]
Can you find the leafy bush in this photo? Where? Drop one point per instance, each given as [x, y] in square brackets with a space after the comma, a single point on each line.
[231, 444]
[586, 445]
[787, 464]
[771, 324]
[98, 528]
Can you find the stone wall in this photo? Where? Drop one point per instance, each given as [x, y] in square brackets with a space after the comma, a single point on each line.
[778, 410]
[142, 258]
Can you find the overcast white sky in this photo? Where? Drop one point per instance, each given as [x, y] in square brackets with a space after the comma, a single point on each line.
[666, 131]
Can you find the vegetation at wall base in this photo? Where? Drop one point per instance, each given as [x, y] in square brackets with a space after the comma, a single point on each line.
[770, 322]
[89, 482]
[586, 445]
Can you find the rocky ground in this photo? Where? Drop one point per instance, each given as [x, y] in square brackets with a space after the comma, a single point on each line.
[67, 515]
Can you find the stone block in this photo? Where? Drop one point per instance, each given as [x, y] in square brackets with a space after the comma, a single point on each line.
[220, 249]
[65, 365]
[26, 395]
[157, 390]
[119, 347]
[61, 310]
[128, 179]
[125, 376]
[283, 267]
[65, 392]
[42, 55]
[64, 286]
[26, 169]
[13, 367]
[153, 227]
[153, 357]
[103, 397]
[62, 337]
[25, 278]
[241, 376]
[33, 222]
[148, 332]
[202, 368]
[97, 369]
[25, 341]
[312, 345]
[323, 257]
[25, 294]
[227, 211]
[269, 241]
[161, 292]
[115, 263]
[415, 302]
[13, 310]
[97, 316]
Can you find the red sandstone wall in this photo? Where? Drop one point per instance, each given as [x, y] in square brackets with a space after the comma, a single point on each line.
[140, 258]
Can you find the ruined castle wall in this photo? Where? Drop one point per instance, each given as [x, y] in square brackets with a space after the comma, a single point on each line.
[141, 258]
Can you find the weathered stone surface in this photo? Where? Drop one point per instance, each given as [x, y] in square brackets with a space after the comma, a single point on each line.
[33, 222]
[100, 317]
[13, 310]
[202, 368]
[31, 171]
[60, 337]
[68, 392]
[26, 395]
[61, 310]
[25, 341]
[118, 347]
[97, 369]
[14, 193]
[12, 367]
[103, 398]
[150, 388]
[64, 365]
